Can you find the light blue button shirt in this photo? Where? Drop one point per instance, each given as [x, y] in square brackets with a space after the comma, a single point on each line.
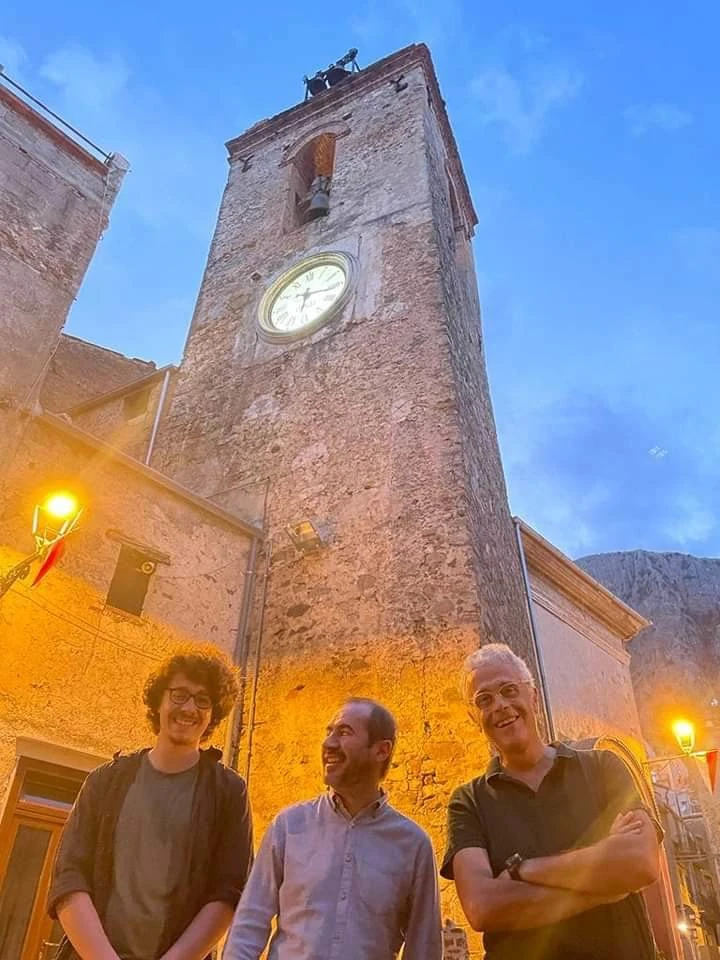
[340, 888]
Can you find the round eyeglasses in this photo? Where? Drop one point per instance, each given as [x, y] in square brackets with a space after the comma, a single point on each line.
[510, 692]
[181, 695]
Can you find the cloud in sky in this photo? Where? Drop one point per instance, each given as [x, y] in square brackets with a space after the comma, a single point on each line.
[587, 478]
[167, 203]
[693, 521]
[12, 58]
[412, 20]
[99, 94]
[665, 117]
[520, 106]
[86, 80]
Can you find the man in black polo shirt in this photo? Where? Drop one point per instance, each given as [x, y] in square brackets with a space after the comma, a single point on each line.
[549, 848]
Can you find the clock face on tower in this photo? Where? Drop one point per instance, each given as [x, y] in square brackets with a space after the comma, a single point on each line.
[306, 297]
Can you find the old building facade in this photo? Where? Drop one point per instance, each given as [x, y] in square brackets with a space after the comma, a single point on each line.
[153, 565]
[377, 425]
[317, 488]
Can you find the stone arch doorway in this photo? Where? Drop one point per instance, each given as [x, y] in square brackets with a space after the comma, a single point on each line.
[659, 898]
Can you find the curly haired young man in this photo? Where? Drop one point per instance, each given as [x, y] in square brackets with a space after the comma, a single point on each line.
[158, 846]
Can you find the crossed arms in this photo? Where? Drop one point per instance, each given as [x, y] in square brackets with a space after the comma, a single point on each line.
[554, 888]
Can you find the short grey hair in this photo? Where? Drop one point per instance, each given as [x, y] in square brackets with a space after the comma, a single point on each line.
[492, 653]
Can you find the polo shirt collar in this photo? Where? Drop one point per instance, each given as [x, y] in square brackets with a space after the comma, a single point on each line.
[495, 767]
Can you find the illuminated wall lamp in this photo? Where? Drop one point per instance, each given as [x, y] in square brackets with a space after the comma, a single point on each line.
[685, 735]
[308, 535]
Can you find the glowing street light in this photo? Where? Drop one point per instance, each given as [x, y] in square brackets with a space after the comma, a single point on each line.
[685, 735]
[53, 520]
[684, 732]
[61, 505]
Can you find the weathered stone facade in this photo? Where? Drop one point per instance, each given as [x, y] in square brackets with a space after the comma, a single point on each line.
[54, 203]
[80, 371]
[675, 669]
[73, 666]
[379, 424]
[72, 662]
[127, 417]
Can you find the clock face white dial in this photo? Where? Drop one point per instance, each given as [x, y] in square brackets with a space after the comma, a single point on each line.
[306, 296]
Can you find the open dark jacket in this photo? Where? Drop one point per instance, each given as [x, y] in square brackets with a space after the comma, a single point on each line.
[221, 849]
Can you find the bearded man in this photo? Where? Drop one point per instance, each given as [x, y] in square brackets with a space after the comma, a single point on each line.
[345, 875]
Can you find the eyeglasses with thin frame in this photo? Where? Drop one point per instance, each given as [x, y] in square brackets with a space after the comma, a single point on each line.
[181, 695]
[510, 692]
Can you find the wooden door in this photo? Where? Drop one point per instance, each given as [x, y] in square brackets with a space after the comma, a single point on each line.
[39, 802]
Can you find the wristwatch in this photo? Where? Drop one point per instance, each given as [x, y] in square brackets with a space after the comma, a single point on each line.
[513, 864]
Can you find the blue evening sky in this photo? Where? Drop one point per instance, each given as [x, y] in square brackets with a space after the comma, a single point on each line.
[590, 137]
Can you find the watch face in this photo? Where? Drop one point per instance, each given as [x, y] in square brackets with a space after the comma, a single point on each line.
[305, 297]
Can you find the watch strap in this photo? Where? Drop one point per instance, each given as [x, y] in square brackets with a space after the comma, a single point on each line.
[513, 864]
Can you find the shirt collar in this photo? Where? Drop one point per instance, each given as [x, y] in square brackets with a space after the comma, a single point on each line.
[495, 767]
[371, 810]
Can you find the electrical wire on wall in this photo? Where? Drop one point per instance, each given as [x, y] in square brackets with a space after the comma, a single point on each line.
[259, 645]
[93, 629]
[258, 654]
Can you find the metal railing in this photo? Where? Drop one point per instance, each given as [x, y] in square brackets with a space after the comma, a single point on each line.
[51, 113]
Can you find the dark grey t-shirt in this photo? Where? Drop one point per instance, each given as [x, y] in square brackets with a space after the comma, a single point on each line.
[152, 841]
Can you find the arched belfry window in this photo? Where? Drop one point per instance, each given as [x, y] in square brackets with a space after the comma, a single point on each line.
[311, 178]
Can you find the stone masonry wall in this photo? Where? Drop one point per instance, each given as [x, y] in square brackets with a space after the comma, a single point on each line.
[363, 425]
[113, 423]
[72, 667]
[54, 202]
[197, 591]
[500, 585]
[80, 370]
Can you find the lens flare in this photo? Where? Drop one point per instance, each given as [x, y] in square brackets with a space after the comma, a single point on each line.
[61, 505]
[684, 734]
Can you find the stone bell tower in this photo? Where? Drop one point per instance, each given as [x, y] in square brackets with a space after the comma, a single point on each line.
[334, 370]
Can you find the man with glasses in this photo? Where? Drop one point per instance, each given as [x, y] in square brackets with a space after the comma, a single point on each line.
[158, 846]
[549, 848]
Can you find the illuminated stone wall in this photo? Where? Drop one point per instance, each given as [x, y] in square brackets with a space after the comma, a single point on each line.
[72, 667]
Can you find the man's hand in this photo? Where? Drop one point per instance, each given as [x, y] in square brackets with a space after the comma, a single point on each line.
[206, 929]
[79, 920]
[625, 861]
[624, 823]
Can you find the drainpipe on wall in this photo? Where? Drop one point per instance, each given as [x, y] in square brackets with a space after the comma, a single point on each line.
[158, 413]
[241, 653]
[545, 695]
[258, 656]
